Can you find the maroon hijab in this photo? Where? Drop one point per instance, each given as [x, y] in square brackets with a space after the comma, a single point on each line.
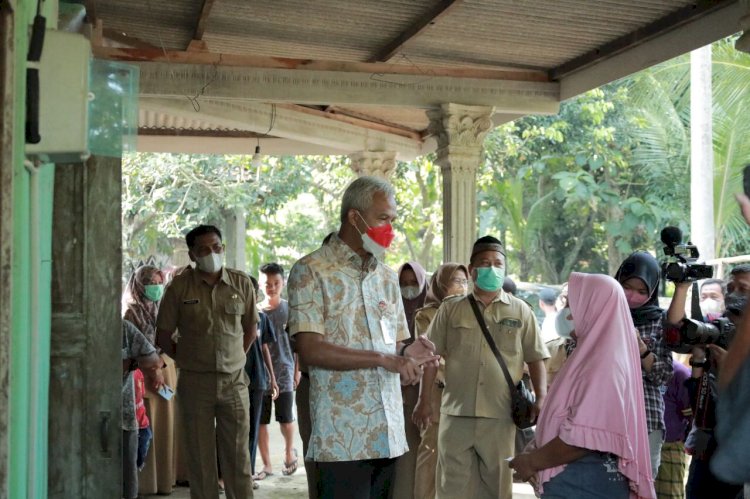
[411, 306]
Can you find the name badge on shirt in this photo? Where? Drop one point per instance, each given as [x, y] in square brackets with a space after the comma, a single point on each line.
[514, 323]
[387, 338]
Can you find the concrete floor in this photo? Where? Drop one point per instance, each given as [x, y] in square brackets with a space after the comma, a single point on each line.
[279, 486]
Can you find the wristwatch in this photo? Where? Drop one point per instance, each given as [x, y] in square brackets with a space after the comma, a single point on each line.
[702, 363]
[646, 354]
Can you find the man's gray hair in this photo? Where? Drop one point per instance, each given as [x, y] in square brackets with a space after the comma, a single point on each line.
[358, 195]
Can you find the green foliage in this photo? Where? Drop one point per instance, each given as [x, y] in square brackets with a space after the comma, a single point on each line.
[290, 205]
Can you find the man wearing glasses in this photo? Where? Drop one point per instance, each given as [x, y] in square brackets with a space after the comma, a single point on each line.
[213, 309]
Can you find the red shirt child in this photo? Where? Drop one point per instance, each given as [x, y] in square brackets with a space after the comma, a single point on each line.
[140, 407]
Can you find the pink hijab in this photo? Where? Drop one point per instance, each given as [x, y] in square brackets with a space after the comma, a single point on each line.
[596, 401]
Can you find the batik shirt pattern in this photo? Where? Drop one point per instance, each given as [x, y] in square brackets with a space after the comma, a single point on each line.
[358, 414]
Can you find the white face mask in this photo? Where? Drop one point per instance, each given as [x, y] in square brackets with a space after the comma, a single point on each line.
[210, 263]
[409, 292]
[563, 325]
[372, 247]
[711, 306]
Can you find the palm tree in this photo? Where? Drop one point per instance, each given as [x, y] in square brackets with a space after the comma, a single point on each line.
[660, 107]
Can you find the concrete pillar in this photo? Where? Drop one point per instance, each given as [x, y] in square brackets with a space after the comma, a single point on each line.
[460, 132]
[702, 230]
[373, 163]
[235, 228]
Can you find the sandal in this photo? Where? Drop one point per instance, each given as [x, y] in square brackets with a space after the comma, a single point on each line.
[262, 475]
[291, 467]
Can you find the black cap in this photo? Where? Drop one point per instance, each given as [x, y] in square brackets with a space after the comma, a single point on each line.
[487, 243]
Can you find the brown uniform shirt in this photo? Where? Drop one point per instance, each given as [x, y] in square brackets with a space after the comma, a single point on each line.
[209, 319]
[474, 383]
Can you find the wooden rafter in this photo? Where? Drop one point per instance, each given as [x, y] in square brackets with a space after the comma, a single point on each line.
[395, 130]
[200, 27]
[428, 19]
[125, 39]
[366, 117]
[251, 61]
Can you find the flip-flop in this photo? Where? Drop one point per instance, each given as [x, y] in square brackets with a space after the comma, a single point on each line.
[290, 468]
[262, 475]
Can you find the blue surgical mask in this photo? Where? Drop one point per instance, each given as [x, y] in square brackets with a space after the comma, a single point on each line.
[563, 325]
[490, 278]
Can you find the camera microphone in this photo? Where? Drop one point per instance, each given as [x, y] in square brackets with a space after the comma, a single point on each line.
[671, 236]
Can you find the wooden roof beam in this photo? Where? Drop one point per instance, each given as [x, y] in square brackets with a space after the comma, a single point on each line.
[200, 27]
[428, 19]
[261, 62]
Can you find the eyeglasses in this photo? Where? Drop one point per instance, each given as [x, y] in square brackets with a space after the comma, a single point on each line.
[460, 282]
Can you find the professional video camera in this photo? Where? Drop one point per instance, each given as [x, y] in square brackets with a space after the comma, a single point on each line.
[696, 332]
[680, 265]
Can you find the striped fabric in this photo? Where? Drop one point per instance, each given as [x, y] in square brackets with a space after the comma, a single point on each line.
[670, 482]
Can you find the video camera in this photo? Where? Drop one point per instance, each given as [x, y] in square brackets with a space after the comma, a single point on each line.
[696, 332]
[680, 265]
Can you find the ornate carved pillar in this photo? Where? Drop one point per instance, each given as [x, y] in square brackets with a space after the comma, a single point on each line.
[373, 163]
[460, 132]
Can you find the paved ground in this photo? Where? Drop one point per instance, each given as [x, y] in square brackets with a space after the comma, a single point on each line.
[295, 486]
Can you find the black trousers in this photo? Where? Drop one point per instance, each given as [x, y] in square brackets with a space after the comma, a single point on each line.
[369, 479]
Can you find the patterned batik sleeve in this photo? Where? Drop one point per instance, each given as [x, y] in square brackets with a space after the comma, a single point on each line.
[305, 301]
[402, 332]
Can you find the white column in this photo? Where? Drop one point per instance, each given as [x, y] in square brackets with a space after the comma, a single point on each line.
[235, 229]
[702, 231]
[460, 132]
[373, 163]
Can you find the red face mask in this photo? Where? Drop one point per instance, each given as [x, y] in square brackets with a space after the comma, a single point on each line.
[382, 235]
[635, 299]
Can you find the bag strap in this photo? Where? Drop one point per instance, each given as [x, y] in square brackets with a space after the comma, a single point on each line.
[493, 347]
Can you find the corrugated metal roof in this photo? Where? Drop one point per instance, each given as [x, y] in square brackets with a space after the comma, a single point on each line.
[525, 34]
[513, 33]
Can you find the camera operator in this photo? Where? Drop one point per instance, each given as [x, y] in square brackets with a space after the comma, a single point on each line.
[706, 361]
[731, 461]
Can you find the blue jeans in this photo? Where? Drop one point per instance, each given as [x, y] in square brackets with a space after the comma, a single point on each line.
[594, 476]
[144, 442]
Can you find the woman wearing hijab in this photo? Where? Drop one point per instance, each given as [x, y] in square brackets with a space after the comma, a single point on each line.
[412, 279]
[143, 293]
[639, 277]
[591, 440]
[450, 279]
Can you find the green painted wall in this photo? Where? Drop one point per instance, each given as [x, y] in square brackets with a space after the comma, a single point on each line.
[31, 307]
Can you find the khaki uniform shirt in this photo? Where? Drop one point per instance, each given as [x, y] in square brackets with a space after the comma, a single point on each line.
[474, 383]
[209, 319]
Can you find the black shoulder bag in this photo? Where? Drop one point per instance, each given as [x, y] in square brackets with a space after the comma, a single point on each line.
[522, 399]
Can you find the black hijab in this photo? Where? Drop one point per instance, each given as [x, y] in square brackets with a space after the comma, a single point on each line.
[645, 267]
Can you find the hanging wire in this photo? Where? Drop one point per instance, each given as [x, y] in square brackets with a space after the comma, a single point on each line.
[429, 74]
[194, 99]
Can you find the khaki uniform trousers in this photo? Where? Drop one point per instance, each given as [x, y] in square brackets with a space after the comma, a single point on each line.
[403, 483]
[471, 457]
[427, 453]
[203, 398]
